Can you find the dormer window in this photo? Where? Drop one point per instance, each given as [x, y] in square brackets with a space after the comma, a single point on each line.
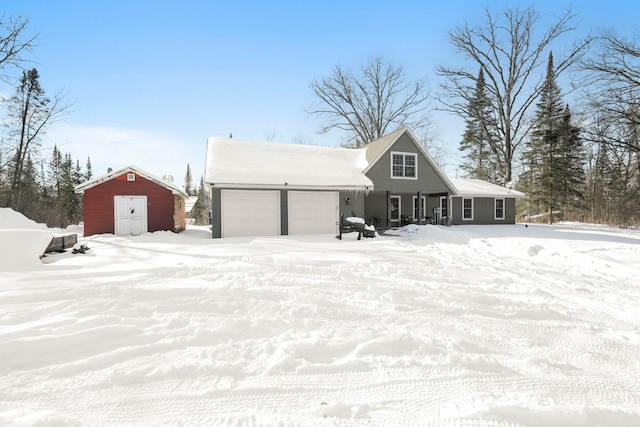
[404, 165]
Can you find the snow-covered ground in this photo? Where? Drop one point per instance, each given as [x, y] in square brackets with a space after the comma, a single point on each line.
[434, 326]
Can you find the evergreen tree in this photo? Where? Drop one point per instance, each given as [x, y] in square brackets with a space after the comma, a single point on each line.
[31, 191]
[89, 172]
[478, 140]
[554, 157]
[29, 113]
[571, 176]
[202, 207]
[187, 181]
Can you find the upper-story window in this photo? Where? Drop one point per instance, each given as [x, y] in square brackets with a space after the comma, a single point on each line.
[404, 165]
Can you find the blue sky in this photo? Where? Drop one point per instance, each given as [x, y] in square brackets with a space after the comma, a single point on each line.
[150, 81]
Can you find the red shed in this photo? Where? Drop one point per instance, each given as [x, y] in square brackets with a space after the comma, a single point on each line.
[131, 201]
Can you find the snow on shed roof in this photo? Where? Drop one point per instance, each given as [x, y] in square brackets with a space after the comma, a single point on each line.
[243, 164]
[476, 187]
[80, 188]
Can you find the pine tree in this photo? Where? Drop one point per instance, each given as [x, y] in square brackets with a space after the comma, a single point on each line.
[187, 181]
[202, 207]
[89, 172]
[31, 192]
[571, 176]
[477, 140]
[554, 158]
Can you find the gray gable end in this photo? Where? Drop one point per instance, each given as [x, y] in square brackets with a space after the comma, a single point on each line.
[430, 178]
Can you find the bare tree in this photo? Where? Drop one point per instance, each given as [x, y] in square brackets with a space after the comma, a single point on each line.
[613, 79]
[30, 114]
[13, 43]
[508, 53]
[367, 105]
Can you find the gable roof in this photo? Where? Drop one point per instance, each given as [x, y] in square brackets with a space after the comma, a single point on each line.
[376, 149]
[241, 163]
[81, 188]
[479, 188]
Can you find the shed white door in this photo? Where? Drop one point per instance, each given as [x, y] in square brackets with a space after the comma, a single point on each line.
[313, 212]
[130, 214]
[250, 213]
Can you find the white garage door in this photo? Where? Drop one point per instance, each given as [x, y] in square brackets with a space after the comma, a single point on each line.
[250, 213]
[313, 212]
[130, 215]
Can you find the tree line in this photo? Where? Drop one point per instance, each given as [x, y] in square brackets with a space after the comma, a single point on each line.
[577, 160]
[41, 190]
[573, 162]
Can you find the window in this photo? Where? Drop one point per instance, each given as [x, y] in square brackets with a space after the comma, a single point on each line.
[444, 211]
[423, 200]
[404, 165]
[499, 203]
[395, 209]
[467, 209]
[131, 177]
[179, 204]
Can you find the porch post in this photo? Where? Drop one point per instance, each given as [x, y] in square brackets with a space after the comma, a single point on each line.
[420, 213]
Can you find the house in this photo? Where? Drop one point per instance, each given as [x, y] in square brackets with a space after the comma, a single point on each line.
[267, 189]
[130, 201]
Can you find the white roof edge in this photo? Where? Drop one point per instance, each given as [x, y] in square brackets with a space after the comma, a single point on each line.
[230, 186]
[496, 195]
[488, 189]
[81, 188]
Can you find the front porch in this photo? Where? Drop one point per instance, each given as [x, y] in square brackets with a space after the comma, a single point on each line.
[389, 209]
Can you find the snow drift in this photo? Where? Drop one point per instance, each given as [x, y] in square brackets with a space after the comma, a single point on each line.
[435, 326]
[22, 241]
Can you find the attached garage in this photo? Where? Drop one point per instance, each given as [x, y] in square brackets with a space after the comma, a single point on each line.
[271, 189]
[250, 213]
[313, 212]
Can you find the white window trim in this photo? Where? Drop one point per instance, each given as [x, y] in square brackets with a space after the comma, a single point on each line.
[472, 208]
[495, 209]
[131, 177]
[415, 155]
[399, 209]
[424, 207]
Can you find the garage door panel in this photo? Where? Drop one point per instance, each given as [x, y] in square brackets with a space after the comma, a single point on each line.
[250, 213]
[313, 212]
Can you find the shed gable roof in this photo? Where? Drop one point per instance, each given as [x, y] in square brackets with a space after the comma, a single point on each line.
[81, 188]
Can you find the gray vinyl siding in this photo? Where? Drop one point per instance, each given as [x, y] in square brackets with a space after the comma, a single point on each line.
[355, 207]
[484, 211]
[428, 179]
[216, 213]
[428, 182]
[375, 208]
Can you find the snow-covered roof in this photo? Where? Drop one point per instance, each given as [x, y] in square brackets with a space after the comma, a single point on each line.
[479, 188]
[242, 164]
[81, 188]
